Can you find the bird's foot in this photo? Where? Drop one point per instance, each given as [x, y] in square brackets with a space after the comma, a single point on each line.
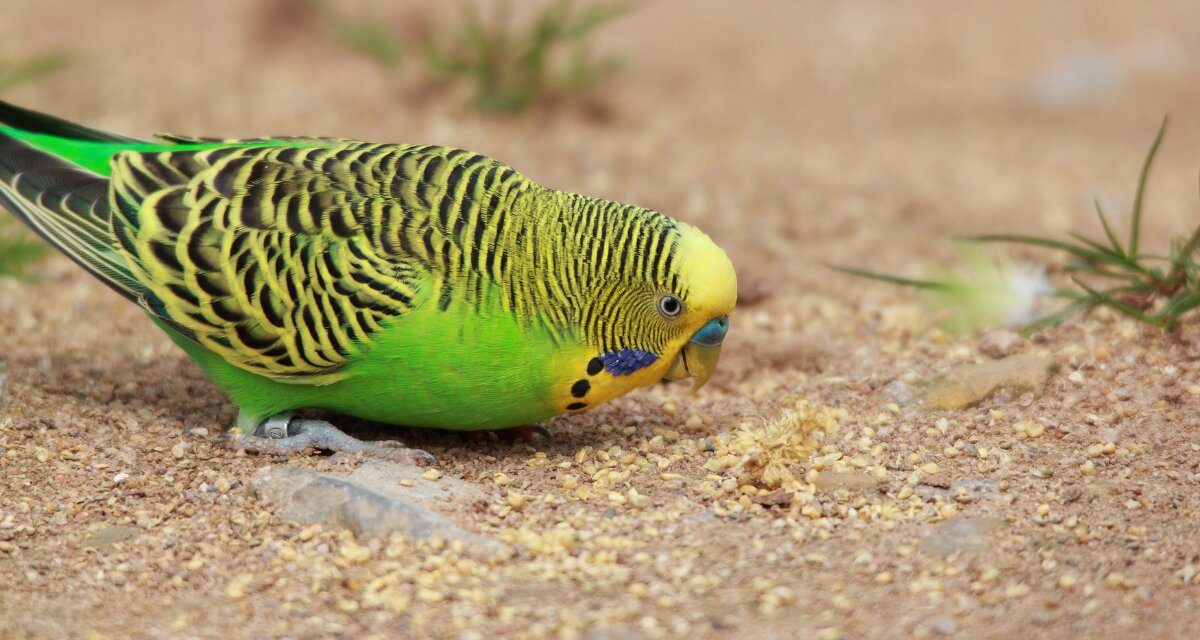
[525, 432]
[285, 434]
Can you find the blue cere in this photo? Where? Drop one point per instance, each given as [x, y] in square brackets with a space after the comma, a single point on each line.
[712, 333]
[625, 361]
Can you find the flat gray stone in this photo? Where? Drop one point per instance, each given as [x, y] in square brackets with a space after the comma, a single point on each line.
[850, 481]
[967, 385]
[370, 501]
[966, 535]
[980, 489]
[109, 536]
[385, 477]
[943, 625]
[900, 391]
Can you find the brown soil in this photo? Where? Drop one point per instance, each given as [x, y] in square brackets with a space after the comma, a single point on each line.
[796, 134]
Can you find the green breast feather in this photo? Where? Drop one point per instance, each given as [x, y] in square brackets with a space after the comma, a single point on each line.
[407, 284]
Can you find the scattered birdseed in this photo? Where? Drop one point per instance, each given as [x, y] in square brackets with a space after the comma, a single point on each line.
[642, 518]
[237, 587]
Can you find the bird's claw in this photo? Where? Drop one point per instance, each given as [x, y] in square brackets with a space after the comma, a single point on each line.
[525, 432]
[285, 434]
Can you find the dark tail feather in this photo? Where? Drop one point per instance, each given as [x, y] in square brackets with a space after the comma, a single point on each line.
[66, 205]
[20, 118]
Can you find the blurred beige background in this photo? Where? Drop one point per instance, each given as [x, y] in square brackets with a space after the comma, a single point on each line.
[795, 131]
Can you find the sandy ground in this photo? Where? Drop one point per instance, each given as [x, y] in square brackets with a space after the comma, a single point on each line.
[795, 133]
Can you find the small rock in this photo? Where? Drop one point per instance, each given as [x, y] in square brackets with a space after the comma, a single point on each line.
[371, 501]
[899, 391]
[408, 482]
[942, 625]
[939, 480]
[962, 534]
[963, 490]
[850, 480]
[1000, 344]
[109, 536]
[969, 384]
[775, 499]
[976, 486]
[1072, 494]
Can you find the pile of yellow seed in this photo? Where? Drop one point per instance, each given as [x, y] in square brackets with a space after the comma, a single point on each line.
[769, 453]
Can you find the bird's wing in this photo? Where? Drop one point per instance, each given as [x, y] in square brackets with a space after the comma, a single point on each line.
[284, 259]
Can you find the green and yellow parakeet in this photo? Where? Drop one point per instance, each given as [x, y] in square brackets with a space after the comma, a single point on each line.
[415, 285]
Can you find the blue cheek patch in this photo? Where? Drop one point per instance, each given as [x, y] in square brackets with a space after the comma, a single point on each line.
[625, 361]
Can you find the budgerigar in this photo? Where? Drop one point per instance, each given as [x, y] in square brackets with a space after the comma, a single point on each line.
[406, 284]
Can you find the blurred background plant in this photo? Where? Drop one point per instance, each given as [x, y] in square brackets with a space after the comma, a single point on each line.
[364, 33]
[1154, 289]
[18, 247]
[15, 72]
[512, 66]
[990, 291]
[507, 63]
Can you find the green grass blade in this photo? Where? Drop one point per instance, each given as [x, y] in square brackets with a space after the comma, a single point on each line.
[883, 277]
[1182, 264]
[1083, 252]
[1095, 245]
[1135, 221]
[1080, 304]
[1066, 294]
[1180, 305]
[1117, 257]
[1105, 298]
[1100, 272]
[1112, 237]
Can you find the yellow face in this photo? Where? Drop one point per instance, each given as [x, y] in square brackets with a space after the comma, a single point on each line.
[706, 275]
[690, 311]
[709, 293]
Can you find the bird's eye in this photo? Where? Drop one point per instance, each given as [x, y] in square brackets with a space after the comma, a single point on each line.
[670, 306]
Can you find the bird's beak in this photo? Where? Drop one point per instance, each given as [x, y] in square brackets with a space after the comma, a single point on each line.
[701, 361]
[698, 358]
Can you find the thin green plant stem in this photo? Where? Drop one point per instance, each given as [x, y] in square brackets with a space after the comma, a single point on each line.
[1112, 236]
[1105, 298]
[883, 277]
[1145, 282]
[1135, 221]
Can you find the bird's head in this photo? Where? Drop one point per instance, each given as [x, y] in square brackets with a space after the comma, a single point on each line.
[704, 295]
[658, 295]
